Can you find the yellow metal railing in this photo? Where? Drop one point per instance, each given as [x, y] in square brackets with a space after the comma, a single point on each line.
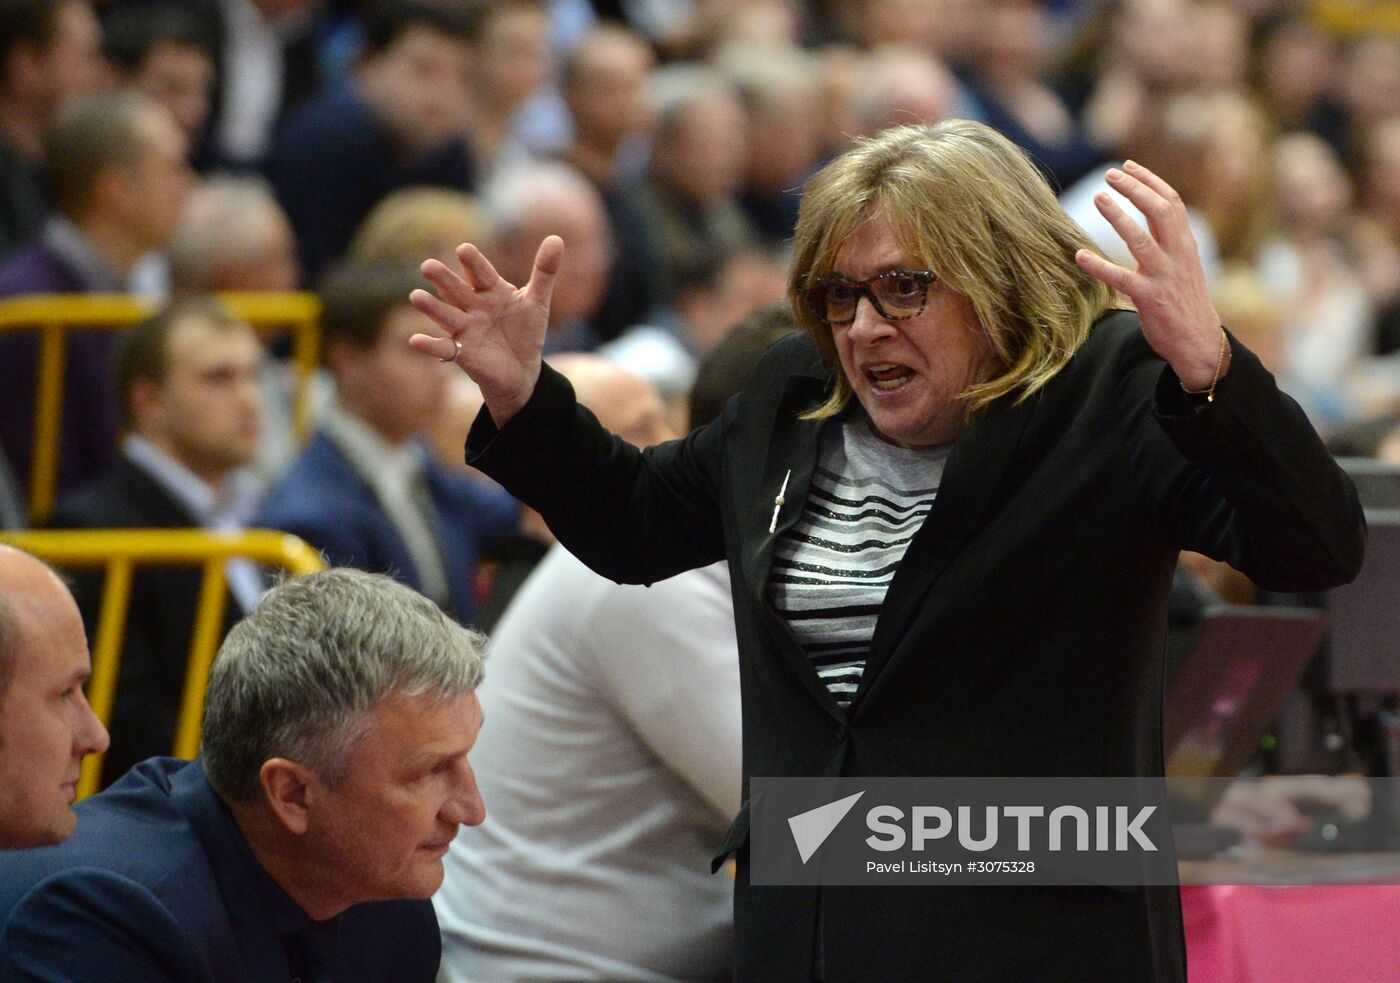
[119, 551]
[1352, 17]
[53, 316]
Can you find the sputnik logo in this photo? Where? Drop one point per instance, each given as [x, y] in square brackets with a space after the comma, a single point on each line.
[811, 828]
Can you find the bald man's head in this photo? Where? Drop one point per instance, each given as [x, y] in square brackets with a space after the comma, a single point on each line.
[46, 725]
[622, 401]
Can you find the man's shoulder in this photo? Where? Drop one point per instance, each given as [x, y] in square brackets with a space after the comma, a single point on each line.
[478, 498]
[320, 470]
[91, 923]
[34, 268]
[133, 831]
[334, 122]
[123, 497]
[324, 500]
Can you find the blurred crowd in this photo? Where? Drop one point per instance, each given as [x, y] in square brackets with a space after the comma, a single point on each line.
[176, 149]
[668, 142]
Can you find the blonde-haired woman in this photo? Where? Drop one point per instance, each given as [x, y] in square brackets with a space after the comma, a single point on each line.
[951, 513]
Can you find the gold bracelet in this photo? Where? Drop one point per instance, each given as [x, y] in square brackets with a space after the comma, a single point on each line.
[1219, 364]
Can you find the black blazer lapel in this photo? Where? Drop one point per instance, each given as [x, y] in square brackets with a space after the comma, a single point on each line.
[976, 466]
[791, 458]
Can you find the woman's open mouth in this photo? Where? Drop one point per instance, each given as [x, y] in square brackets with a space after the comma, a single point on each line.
[888, 377]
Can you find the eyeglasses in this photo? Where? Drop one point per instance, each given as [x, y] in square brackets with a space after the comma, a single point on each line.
[896, 295]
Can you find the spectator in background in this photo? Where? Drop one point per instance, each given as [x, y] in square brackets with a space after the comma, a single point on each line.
[1219, 57]
[365, 491]
[1170, 139]
[46, 725]
[266, 68]
[1369, 84]
[233, 236]
[779, 91]
[50, 54]
[304, 842]
[404, 229]
[515, 63]
[526, 203]
[839, 68]
[166, 52]
[402, 120]
[700, 155]
[414, 224]
[119, 175]
[1295, 70]
[1003, 73]
[187, 379]
[898, 86]
[711, 296]
[1326, 321]
[1376, 236]
[605, 89]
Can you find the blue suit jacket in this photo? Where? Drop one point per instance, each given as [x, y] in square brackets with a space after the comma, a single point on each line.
[159, 885]
[323, 499]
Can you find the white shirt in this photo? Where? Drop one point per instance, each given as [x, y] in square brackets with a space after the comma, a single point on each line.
[611, 769]
[252, 81]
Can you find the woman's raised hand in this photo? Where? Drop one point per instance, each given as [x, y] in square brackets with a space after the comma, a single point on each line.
[1168, 288]
[495, 330]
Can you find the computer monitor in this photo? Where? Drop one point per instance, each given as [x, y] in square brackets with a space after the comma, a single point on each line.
[1232, 685]
[1377, 482]
[1365, 615]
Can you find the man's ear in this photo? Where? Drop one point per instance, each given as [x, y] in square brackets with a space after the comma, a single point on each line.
[109, 192]
[24, 63]
[291, 790]
[143, 399]
[339, 356]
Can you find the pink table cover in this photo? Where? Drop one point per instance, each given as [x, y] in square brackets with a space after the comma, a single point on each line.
[1292, 934]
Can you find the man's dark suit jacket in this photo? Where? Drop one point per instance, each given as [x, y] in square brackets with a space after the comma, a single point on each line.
[88, 441]
[158, 885]
[1022, 635]
[323, 499]
[334, 161]
[159, 621]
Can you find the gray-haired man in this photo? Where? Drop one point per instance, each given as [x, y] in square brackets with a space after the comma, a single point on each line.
[304, 843]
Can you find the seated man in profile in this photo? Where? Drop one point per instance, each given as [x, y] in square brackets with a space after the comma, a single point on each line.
[305, 841]
[46, 725]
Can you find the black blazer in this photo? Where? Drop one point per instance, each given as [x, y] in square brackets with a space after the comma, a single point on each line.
[1023, 634]
[159, 621]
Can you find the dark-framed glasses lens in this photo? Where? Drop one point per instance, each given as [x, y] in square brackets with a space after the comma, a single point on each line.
[838, 300]
[900, 294]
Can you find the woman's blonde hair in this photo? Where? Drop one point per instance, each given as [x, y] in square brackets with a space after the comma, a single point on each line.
[967, 203]
[414, 223]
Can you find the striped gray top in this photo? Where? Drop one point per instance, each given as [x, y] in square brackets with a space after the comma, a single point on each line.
[832, 569]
